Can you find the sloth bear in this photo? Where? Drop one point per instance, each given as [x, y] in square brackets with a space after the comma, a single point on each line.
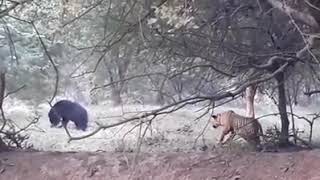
[65, 111]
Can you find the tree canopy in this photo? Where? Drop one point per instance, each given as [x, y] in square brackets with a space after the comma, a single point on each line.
[173, 53]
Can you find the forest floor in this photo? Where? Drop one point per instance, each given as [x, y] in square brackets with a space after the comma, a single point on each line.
[294, 165]
[177, 146]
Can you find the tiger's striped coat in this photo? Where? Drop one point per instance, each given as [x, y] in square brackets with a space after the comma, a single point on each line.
[246, 127]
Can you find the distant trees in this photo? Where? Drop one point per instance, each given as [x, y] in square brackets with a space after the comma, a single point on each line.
[255, 41]
[174, 52]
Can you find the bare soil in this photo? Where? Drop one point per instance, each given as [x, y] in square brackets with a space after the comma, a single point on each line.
[22, 165]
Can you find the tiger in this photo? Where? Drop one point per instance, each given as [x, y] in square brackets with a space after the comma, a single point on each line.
[246, 127]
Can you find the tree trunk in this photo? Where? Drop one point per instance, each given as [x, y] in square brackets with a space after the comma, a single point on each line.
[284, 137]
[116, 97]
[2, 86]
[160, 96]
[249, 98]
[3, 146]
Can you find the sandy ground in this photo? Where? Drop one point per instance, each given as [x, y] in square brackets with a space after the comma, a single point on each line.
[302, 165]
[175, 132]
[176, 146]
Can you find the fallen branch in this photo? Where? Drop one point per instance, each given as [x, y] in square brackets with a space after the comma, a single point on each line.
[180, 104]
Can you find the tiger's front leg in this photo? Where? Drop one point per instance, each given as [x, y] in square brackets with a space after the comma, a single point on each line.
[224, 133]
[232, 134]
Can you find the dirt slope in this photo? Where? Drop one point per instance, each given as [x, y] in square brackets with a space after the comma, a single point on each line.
[303, 165]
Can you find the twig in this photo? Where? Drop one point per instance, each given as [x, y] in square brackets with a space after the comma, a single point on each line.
[84, 13]
[312, 6]
[34, 121]
[67, 131]
[141, 137]
[202, 66]
[119, 39]
[201, 133]
[13, 6]
[130, 130]
[51, 61]
[13, 51]
[48, 55]
[311, 92]
[306, 18]
[15, 91]
[126, 79]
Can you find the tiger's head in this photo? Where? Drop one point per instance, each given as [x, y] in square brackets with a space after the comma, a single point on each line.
[216, 120]
[221, 119]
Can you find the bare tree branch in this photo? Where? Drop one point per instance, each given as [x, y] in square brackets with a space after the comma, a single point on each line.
[109, 45]
[15, 91]
[301, 16]
[312, 92]
[5, 12]
[83, 14]
[311, 5]
[2, 93]
[51, 61]
[126, 79]
[13, 52]
[202, 66]
[180, 104]
[48, 55]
